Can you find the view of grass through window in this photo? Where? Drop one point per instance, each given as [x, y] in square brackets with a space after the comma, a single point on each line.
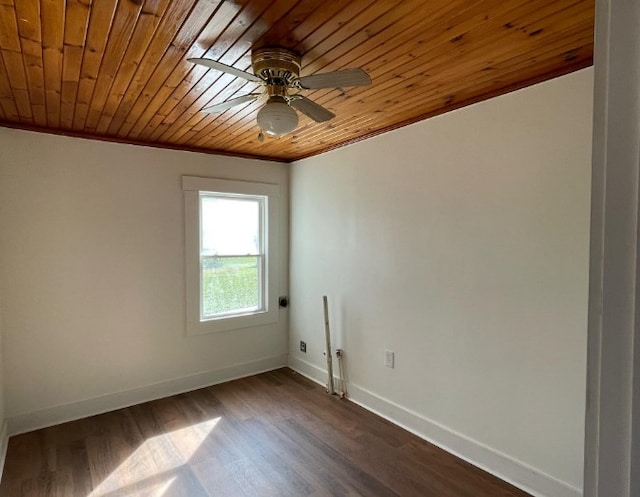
[230, 284]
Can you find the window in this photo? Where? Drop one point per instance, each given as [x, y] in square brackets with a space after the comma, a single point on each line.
[231, 234]
[231, 254]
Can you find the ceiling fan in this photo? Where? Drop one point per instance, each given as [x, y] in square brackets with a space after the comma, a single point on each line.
[279, 70]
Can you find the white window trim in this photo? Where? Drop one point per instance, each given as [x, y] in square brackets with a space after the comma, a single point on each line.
[192, 186]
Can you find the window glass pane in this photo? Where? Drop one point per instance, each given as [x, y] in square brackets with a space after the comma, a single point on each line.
[230, 284]
[230, 226]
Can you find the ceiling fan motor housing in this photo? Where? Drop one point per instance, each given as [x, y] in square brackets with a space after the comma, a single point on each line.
[277, 66]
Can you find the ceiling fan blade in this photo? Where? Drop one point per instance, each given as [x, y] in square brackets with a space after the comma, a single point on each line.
[219, 66]
[336, 79]
[311, 109]
[231, 103]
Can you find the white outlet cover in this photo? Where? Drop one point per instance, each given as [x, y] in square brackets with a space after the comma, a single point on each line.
[389, 358]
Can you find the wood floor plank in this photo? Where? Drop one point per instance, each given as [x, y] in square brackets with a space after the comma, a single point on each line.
[276, 434]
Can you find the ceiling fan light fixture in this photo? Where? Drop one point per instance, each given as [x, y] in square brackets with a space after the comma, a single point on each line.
[276, 118]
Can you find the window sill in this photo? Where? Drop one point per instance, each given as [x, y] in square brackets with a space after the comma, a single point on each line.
[221, 324]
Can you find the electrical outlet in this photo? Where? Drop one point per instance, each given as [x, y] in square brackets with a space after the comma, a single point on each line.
[303, 346]
[389, 358]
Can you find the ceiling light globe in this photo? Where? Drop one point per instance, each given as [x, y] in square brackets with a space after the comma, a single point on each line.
[277, 118]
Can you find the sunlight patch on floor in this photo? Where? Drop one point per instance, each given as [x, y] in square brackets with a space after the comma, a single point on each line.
[152, 468]
[153, 490]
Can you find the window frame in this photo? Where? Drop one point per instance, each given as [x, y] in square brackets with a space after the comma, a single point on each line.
[193, 187]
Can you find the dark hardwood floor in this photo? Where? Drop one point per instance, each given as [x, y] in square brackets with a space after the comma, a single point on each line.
[275, 434]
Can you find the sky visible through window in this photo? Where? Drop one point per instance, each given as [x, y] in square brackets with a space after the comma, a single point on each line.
[230, 226]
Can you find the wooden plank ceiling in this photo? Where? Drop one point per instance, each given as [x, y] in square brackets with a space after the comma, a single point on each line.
[117, 69]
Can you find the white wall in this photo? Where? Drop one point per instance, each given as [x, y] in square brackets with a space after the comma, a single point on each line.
[93, 283]
[460, 243]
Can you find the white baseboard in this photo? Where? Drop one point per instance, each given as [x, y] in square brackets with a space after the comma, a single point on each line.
[501, 465]
[30, 421]
[4, 443]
